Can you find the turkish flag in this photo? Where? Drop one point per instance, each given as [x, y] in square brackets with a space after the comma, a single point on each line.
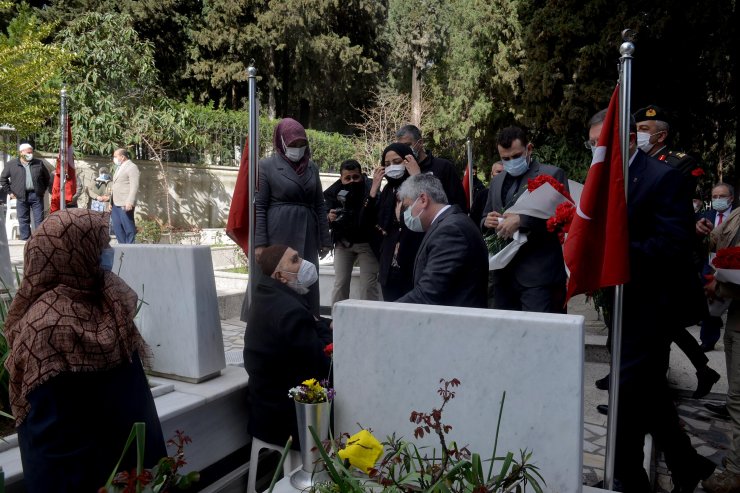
[466, 185]
[70, 185]
[237, 227]
[596, 249]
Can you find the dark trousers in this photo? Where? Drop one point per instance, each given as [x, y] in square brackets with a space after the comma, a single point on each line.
[508, 294]
[686, 343]
[123, 224]
[710, 330]
[645, 404]
[33, 203]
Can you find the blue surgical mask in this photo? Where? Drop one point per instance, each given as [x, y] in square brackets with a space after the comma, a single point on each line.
[720, 205]
[306, 276]
[517, 166]
[413, 222]
[106, 259]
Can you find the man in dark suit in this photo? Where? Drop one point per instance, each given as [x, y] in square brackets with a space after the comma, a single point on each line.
[452, 262]
[723, 195]
[534, 280]
[283, 343]
[659, 299]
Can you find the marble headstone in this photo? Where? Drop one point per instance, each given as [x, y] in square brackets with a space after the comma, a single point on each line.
[389, 359]
[179, 319]
[6, 270]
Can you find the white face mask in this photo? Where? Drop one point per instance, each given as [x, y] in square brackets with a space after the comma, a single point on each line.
[643, 141]
[413, 222]
[295, 154]
[306, 276]
[27, 157]
[721, 205]
[116, 161]
[395, 171]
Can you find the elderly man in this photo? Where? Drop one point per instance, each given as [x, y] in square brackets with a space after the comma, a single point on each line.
[26, 179]
[283, 343]
[451, 266]
[124, 188]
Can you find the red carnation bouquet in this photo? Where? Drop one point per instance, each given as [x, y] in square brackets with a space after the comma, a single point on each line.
[727, 265]
[545, 198]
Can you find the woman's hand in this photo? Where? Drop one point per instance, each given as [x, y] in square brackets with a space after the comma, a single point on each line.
[378, 174]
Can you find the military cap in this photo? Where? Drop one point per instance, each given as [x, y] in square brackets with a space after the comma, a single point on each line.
[651, 112]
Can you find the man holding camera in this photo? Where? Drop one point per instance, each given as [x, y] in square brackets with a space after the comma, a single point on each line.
[352, 233]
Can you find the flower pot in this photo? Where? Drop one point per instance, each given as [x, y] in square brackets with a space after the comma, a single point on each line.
[316, 416]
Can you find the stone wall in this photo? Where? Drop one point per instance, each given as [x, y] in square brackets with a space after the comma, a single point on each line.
[200, 197]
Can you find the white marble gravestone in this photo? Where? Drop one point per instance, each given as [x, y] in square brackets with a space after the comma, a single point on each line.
[389, 358]
[179, 319]
[6, 270]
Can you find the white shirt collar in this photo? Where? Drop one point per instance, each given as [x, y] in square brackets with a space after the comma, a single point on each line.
[440, 212]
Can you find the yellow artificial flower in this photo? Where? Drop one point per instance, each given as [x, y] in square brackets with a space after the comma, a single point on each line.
[310, 382]
[362, 451]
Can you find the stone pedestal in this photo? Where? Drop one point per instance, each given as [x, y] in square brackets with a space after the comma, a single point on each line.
[179, 319]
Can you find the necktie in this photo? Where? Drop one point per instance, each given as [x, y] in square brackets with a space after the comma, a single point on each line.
[719, 221]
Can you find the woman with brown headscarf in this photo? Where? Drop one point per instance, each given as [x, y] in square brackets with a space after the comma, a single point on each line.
[76, 381]
[290, 202]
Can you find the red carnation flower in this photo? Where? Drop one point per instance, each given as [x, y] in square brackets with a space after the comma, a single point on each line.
[329, 350]
[697, 172]
[536, 182]
[727, 258]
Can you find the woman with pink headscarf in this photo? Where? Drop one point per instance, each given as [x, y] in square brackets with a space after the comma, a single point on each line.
[290, 203]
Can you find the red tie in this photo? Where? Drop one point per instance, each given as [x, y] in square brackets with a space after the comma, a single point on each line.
[720, 219]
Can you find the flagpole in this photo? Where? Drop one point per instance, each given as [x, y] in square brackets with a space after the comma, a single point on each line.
[253, 153]
[625, 93]
[469, 145]
[63, 149]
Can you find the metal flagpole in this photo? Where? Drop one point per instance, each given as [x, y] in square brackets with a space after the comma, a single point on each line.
[253, 153]
[625, 94]
[469, 144]
[63, 150]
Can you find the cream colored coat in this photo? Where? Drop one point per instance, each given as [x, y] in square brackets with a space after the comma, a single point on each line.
[125, 184]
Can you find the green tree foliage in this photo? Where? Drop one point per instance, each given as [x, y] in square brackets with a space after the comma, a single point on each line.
[164, 23]
[301, 48]
[571, 68]
[417, 32]
[112, 78]
[29, 70]
[477, 79]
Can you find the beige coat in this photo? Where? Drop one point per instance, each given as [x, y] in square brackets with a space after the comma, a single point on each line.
[125, 184]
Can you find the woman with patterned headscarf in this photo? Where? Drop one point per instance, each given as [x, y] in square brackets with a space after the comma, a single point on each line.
[76, 380]
[290, 203]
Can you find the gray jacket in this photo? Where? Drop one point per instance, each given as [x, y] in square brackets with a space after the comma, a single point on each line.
[290, 208]
[539, 262]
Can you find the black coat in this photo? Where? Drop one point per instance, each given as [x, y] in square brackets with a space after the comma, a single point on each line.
[13, 178]
[664, 292]
[362, 227]
[283, 346]
[451, 267]
[446, 173]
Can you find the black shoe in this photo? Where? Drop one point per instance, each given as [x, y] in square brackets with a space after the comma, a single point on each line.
[705, 380]
[603, 409]
[687, 481]
[603, 383]
[718, 409]
[706, 347]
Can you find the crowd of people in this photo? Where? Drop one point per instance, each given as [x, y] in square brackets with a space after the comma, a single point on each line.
[409, 228]
[27, 180]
